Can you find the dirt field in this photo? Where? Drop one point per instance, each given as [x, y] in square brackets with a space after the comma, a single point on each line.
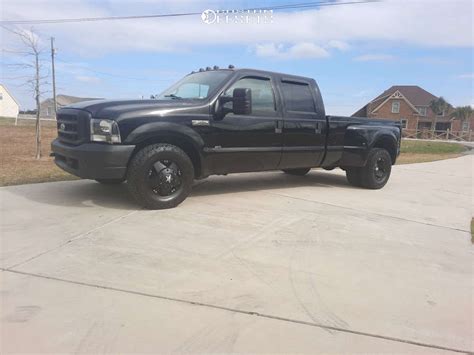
[17, 154]
[18, 165]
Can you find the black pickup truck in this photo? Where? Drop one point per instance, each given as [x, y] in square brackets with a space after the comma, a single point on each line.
[220, 121]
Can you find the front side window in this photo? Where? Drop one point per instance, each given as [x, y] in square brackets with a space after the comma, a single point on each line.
[263, 100]
[404, 123]
[396, 107]
[195, 86]
[297, 97]
[465, 126]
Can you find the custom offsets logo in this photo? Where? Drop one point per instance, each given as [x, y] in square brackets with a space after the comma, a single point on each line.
[237, 16]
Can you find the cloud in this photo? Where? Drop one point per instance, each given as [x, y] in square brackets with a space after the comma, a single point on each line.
[303, 50]
[466, 76]
[342, 46]
[308, 31]
[374, 58]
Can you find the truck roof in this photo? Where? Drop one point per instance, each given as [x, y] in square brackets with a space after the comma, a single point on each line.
[259, 71]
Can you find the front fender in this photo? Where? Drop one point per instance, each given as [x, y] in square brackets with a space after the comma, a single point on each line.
[151, 130]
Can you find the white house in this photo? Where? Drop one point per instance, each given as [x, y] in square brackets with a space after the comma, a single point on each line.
[8, 105]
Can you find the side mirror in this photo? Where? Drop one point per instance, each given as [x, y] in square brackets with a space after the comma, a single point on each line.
[242, 99]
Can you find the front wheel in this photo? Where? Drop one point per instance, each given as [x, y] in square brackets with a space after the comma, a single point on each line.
[297, 172]
[160, 176]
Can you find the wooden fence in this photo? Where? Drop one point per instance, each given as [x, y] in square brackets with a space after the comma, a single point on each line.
[441, 135]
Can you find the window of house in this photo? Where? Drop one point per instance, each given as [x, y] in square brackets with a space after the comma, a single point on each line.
[1, 96]
[396, 107]
[441, 113]
[263, 100]
[424, 125]
[297, 97]
[404, 123]
[49, 109]
[442, 126]
[421, 110]
[465, 126]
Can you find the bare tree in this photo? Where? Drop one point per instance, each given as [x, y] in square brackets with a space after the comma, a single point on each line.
[32, 54]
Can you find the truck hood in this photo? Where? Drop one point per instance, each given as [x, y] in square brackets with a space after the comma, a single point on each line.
[115, 109]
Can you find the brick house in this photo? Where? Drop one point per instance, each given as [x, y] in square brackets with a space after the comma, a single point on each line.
[411, 105]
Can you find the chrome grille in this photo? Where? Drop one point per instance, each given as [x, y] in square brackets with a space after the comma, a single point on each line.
[72, 126]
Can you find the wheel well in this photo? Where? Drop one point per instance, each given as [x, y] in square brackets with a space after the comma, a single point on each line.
[389, 145]
[178, 141]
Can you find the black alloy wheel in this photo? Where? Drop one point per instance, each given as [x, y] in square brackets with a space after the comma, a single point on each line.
[381, 169]
[165, 178]
[375, 174]
[160, 176]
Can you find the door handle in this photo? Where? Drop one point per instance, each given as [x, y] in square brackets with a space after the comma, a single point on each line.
[318, 128]
[278, 126]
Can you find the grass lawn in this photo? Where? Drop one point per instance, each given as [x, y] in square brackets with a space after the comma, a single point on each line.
[17, 151]
[18, 165]
[424, 151]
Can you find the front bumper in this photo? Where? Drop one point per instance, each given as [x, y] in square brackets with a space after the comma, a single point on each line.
[93, 160]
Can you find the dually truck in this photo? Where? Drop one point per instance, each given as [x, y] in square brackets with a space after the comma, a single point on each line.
[220, 121]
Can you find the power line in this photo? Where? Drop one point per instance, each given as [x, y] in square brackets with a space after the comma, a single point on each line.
[297, 6]
[110, 74]
[90, 19]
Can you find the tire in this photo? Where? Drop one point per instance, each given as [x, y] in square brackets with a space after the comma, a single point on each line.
[297, 172]
[375, 174]
[110, 181]
[160, 176]
[353, 176]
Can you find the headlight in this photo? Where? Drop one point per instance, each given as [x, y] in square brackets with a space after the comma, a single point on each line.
[104, 131]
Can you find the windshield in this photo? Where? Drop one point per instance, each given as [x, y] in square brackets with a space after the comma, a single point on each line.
[195, 86]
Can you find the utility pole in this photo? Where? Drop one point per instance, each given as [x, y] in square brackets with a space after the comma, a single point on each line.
[54, 77]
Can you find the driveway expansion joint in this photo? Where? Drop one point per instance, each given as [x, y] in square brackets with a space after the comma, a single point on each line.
[73, 239]
[370, 212]
[234, 310]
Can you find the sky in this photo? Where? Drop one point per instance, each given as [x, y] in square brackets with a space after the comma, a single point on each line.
[354, 52]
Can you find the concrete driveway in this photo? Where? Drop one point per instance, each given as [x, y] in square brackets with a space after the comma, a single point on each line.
[249, 263]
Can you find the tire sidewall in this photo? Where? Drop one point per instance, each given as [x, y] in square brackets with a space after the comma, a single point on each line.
[368, 178]
[141, 165]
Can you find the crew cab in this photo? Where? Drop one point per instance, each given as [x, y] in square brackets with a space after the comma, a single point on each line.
[220, 121]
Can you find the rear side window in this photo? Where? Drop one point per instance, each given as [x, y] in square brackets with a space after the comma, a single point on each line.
[297, 97]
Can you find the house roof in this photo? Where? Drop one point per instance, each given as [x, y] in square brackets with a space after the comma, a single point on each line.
[64, 100]
[413, 93]
[9, 93]
[415, 96]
